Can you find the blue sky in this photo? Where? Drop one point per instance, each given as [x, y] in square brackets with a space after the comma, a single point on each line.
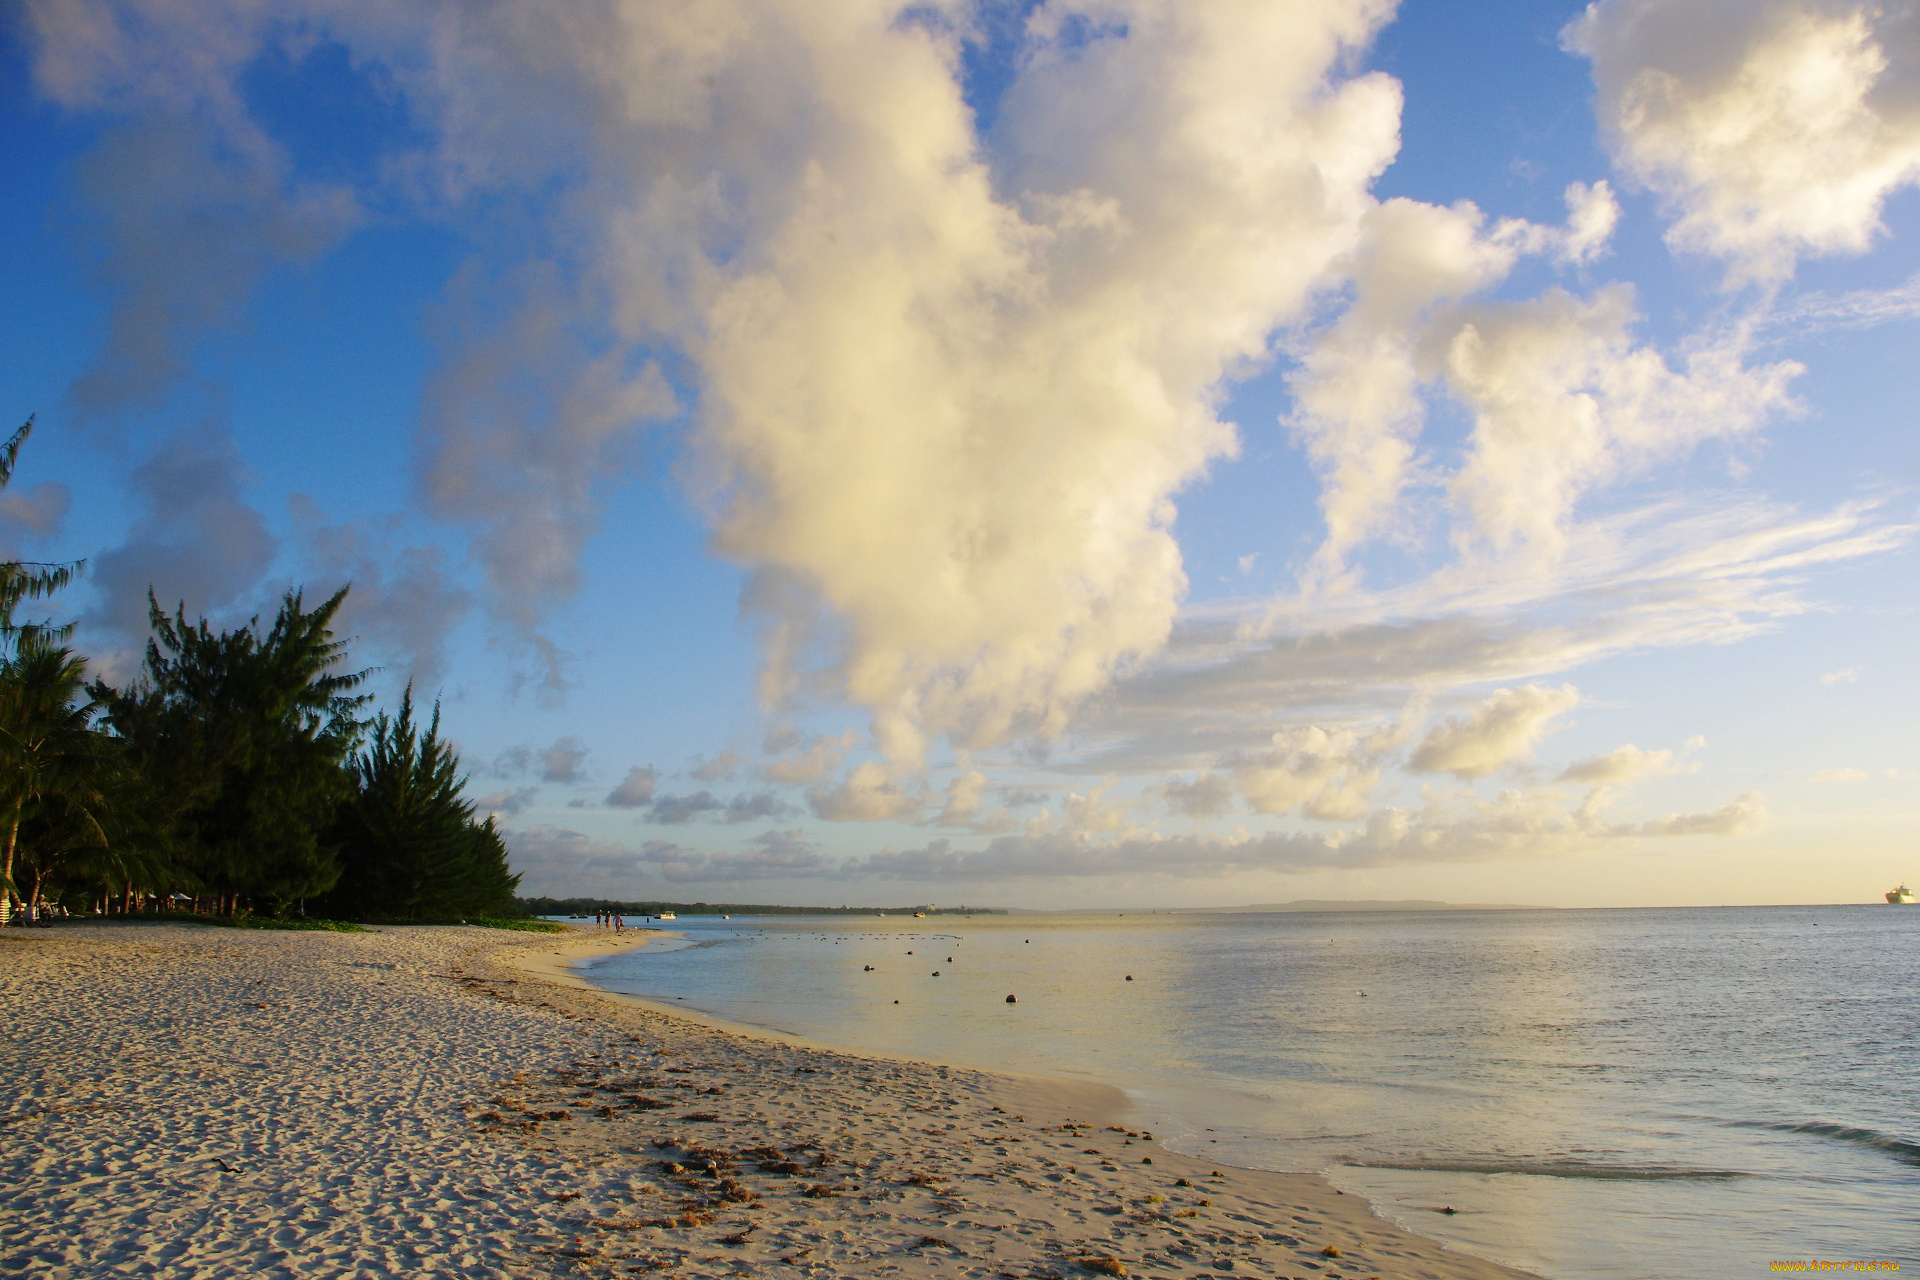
[1046, 454]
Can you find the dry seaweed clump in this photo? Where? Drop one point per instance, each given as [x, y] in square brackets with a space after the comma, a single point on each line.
[1103, 1266]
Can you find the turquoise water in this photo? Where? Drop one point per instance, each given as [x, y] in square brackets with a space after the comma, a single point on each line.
[1598, 1095]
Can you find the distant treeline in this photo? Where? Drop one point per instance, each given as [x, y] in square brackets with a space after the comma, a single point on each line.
[589, 906]
[235, 773]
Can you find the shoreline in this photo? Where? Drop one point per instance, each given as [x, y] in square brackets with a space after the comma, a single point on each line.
[1103, 1104]
[435, 1101]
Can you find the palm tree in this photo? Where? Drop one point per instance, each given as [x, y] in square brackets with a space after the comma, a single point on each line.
[50, 757]
[27, 580]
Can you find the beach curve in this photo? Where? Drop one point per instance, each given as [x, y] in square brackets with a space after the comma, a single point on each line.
[207, 1102]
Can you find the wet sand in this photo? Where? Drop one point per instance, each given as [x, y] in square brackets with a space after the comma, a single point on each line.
[206, 1102]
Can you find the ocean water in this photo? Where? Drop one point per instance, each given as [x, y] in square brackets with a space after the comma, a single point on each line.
[1597, 1094]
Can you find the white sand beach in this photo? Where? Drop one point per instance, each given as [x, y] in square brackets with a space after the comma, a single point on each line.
[198, 1102]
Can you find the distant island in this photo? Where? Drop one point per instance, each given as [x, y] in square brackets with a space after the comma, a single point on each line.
[1359, 904]
[1299, 904]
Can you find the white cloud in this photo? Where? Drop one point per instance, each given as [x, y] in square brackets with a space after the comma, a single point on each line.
[820, 757]
[948, 385]
[1094, 811]
[1503, 729]
[1210, 795]
[1736, 817]
[566, 861]
[1842, 775]
[635, 790]
[506, 802]
[867, 794]
[1618, 767]
[965, 796]
[1329, 772]
[1770, 129]
[719, 768]
[1850, 675]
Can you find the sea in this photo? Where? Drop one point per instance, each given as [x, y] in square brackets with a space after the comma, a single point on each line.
[1586, 1094]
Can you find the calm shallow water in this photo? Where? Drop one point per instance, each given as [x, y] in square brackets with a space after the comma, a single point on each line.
[1599, 1095]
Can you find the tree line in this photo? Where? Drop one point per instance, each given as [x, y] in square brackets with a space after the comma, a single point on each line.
[237, 772]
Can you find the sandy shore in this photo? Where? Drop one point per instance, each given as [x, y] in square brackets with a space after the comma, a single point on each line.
[206, 1102]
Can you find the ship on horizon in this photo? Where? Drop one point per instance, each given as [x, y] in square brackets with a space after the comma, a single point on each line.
[1901, 897]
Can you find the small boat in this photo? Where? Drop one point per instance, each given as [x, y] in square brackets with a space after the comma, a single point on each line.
[1901, 897]
[666, 915]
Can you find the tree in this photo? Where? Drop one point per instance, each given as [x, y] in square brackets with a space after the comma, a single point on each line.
[409, 846]
[27, 580]
[52, 761]
[245, 738]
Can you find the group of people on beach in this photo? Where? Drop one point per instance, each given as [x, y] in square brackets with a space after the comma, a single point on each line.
[611, 920]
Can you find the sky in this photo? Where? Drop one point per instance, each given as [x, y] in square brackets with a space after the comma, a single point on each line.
[1038, 453]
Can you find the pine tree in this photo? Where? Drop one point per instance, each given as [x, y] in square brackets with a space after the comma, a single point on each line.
[244, 739]
[409, 847]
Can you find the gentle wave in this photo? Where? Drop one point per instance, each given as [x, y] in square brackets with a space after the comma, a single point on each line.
[1899, 1148]
[1555, 1169]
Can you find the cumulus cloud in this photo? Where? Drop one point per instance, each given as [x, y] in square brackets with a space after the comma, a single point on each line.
[966, 794]
[1563, 400]
[1618, 767]
[506, 802]
[1771, 130]
[678, 809]
[671, 809]
[719, 768]
[196, 543]
[867, 794]
[1849, 675]
[564, 860]
[820, 756]
[1502, 729]
[1562, 396]
[30, 515]
[1535, 822]
[1359, 407]
[404, 600]
[1210, 795]
[1736, 817]
[1330, 773]
[564, 761]
[183, 216]
[635, 790]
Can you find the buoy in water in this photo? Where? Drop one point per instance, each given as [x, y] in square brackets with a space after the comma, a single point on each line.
[869, 969]
[1011, 1000]
[1129, 977]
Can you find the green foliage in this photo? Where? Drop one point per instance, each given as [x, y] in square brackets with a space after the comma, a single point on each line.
[21, 581]
[243, 739]
[519, 923]
[55, 772]
[295, 924]
[409, 847]
[229, 769]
